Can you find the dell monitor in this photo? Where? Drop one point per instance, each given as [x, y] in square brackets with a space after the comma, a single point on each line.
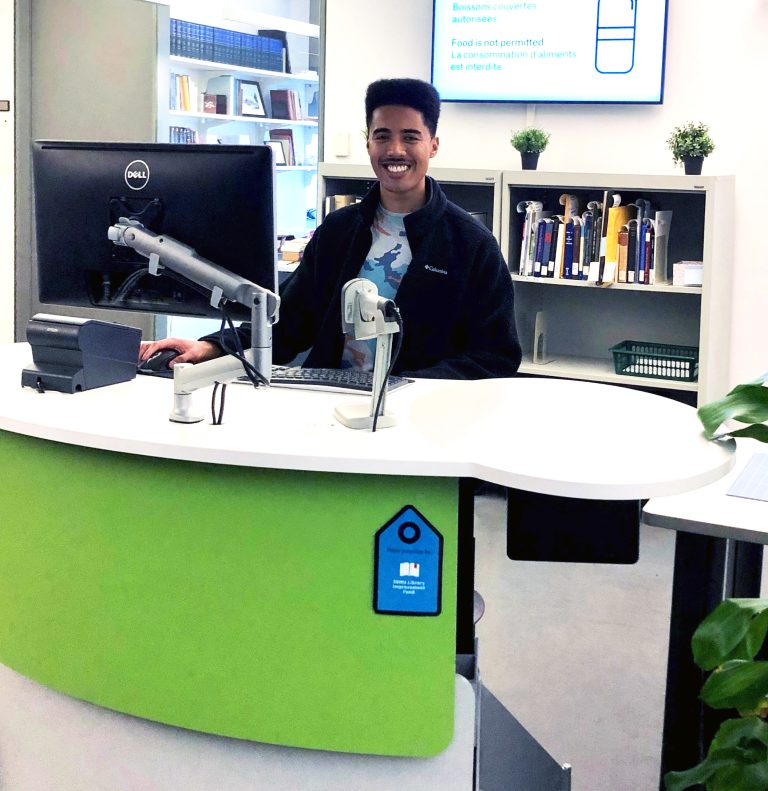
[217, 199]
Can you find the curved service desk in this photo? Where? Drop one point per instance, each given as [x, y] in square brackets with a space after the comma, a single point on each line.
[237, 580]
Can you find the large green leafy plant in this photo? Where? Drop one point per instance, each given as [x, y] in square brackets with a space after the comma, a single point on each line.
[747, 403]
[726, 643]
[730, 637]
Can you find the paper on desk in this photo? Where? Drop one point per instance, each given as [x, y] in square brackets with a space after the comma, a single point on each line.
[752, 482]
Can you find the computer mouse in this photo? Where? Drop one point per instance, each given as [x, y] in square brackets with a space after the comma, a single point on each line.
[158, 362]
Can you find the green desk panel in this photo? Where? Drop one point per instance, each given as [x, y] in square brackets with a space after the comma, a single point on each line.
[230, 600]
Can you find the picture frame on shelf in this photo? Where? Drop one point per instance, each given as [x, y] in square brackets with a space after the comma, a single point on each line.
[277, 151]
[251, 101]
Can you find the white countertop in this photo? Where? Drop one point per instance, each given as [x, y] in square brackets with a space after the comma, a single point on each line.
[564, 437]
[711, 510]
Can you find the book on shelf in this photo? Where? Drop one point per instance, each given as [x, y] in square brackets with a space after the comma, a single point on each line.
[534, 212]
[215, 103]
[576, 266]
[592, 265]
[221, 45]
[568, 243]
[181, 134]
[282, 38]
[621, 254]
[643, 251]
[285, 104]
[285, 136]
[632, 234]
[661, 225]
[618, 216]
[649, 278]
[558, 245]
[183, 93]
[609, 242]
[543, 243]
[222, 88]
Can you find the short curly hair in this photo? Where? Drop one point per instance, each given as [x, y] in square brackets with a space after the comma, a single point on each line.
[417, 94]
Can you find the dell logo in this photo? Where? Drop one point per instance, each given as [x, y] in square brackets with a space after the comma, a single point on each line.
[137, 174]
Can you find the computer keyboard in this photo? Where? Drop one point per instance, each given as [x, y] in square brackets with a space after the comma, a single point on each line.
[344, 380]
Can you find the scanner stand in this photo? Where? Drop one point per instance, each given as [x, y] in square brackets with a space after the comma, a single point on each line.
[367, 315]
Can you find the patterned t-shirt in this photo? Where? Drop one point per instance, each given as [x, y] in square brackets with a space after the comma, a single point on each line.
[386, 263]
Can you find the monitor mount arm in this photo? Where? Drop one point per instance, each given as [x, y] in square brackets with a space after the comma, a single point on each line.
[166, 252]
[367, 315]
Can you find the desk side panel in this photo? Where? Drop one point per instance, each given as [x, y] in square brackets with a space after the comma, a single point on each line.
[230, 600]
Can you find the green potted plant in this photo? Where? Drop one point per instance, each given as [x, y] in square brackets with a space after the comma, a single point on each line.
[689, 145]
[530, 142]
[730, 637]
[726, 643]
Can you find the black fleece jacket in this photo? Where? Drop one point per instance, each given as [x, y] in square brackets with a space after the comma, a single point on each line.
[456, 298]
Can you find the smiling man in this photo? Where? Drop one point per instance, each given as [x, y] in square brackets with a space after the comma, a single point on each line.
[442, 267]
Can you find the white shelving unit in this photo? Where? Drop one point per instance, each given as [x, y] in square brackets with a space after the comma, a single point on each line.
[296, 185]
[584, 320]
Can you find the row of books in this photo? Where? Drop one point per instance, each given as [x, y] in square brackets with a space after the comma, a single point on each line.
[183, 93]
[285, 104]
[204, 42]
[181, 134]
[605, 243]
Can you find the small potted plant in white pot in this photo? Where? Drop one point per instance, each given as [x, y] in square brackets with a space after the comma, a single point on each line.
[689, 145]
[530, 142]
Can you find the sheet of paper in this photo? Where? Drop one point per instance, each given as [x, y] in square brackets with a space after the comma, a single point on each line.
[752, 482]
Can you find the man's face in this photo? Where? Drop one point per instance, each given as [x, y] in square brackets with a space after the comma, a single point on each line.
[400, 147]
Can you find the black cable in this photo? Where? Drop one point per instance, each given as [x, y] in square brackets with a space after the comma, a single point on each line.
[398, 345]
[256, 377]
[218, 417]
[129, 284]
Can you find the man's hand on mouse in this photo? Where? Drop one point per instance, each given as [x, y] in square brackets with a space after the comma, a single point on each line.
[189, 351]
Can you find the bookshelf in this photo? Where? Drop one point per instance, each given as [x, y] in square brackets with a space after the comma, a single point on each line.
[584, 320]
[184, 81]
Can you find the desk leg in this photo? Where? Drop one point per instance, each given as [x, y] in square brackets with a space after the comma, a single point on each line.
[465, 583]
[707, 570]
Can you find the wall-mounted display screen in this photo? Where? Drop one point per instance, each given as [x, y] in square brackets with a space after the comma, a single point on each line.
[596, 51]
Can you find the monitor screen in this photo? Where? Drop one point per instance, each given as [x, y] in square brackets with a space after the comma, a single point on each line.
[589, 51]
[217, 199]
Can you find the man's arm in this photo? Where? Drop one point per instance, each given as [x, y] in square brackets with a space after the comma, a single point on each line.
[190, 351]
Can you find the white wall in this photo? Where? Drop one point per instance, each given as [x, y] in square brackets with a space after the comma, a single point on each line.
[717, 60]
[6, 174]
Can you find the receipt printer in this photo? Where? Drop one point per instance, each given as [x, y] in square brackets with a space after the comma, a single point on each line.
[71, 354]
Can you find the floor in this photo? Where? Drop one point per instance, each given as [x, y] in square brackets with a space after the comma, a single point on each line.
[577, 652]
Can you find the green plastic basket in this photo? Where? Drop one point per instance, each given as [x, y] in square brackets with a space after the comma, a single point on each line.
[656, 360]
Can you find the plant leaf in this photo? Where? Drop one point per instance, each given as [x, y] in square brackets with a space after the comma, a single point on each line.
[739, 684]
[698, 775]
[746, 403]
[736, 760]
[721, 634]
[758, 431]
[746, 742]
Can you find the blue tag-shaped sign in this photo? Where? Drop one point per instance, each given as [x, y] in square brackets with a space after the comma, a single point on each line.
[408, 567]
